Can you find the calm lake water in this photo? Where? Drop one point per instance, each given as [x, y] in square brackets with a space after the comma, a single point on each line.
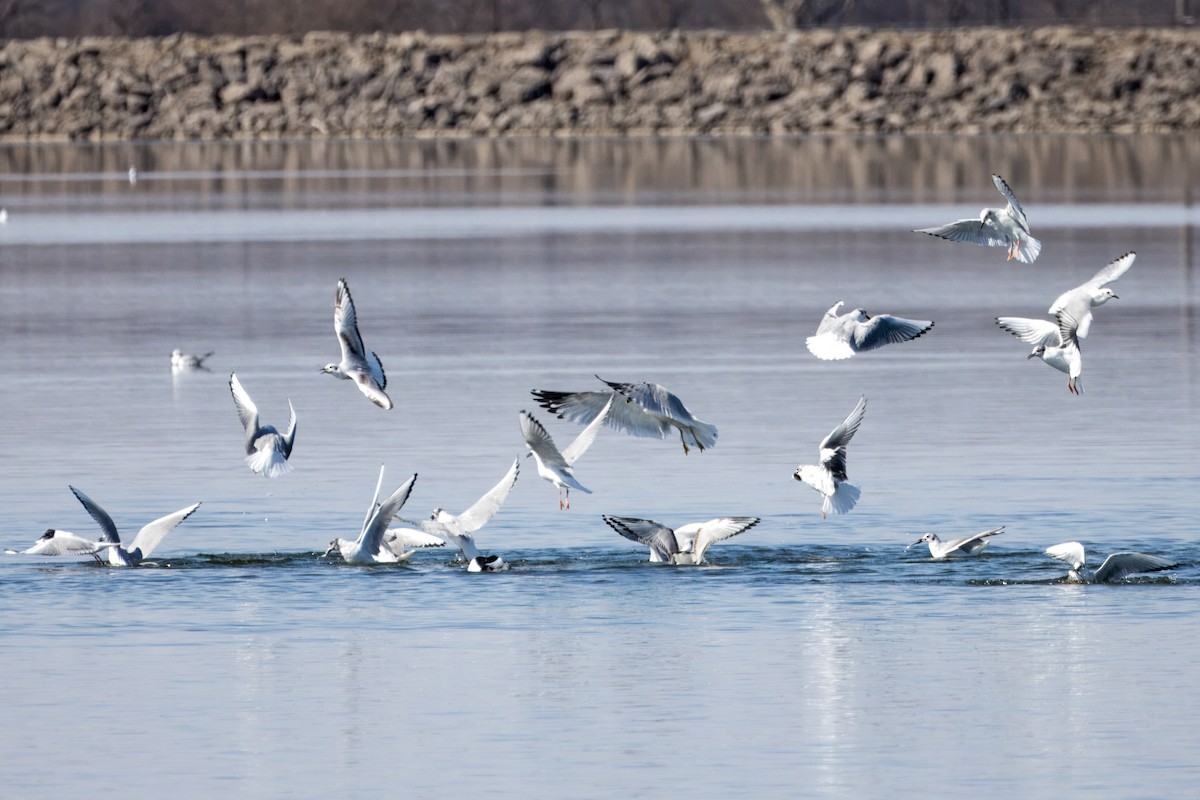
[810, 658]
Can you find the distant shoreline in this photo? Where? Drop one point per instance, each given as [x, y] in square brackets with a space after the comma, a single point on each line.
[852, 80]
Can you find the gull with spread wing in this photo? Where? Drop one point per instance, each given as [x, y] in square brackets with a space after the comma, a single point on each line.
[185, 362]
[995, 227]
[685, 545]
[1079, 302]
[966, 546]
[842, 335]
[369, 547]
[64, 543]
[1117, 567]
[1056, 344]
[829, 476]
[267, 449]
[556, 467]
[358, 364]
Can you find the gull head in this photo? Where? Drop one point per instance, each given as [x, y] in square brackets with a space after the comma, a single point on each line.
[440, 515]
[336, 544]
[331, 368]
[860, 315]
[49, 534]
[929, 537]
[1038, 352]
[987, 215]
[1104, 295]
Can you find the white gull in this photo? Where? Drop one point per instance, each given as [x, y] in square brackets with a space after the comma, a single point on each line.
[682, 546]
[1116, 567]
[1079, 302]
[829, 476]
[267, 449]
[995, 227]
[965, 546]
[842, 335]
[358, 364]
[554, 466]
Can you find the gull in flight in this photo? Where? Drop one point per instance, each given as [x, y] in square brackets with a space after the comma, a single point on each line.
[966, 546]
[841, 336]
[829, 477]
[684, 545]
[182, 362]
[995, 227]
[554, 466]
[369, 547]
[640, 409]
[1057, 345]
[62, 543]
[267, 450]
[1116, 567]
[458, 529]
[1080, 301]
[358, 364]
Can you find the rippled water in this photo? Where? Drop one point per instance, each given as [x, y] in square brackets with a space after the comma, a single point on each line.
[816, 658]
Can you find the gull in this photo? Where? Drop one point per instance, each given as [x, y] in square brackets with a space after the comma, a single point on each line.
[369, 547]
[358, 364]
[267, 450]
[554, 466]
[685, 545]
[64, 543]
[1116, 567]
[649, 410]
[966, 546]
[181, 361]
[142, 545]
[995, 227]
[3, 216]
[1057, 345]
[132, 175]
[841, 336]
[1080, 301]
[829, 477]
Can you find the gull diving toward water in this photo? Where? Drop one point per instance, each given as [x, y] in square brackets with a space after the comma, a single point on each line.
[358, 364]
[1116, 567]
[640, 409]
[183, 362]
[996, 227]
[267, 451]
[1057, 345]
[1080, 301]
[554, 466]
[63, 543]
[685, 545]
[829, 477]
[369, 547]
[966, 546]
[841, 336]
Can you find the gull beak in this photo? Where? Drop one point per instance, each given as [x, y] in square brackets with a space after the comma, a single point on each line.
[1116, 297]
[330, 549]
[914, 544]
[1031, 355]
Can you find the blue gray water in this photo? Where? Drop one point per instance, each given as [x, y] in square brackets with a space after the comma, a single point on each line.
[813, 658]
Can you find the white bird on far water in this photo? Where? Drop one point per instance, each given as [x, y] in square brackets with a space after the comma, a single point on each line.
[841, 336]
[995, 227]
[1116, 567]
[369, 547]
[1055, 344]
[829, 477]
[1079, 302]
[966, 546]
[444, 527]
[554, 466]
[358, 364]
[267, 450]
[681, 546]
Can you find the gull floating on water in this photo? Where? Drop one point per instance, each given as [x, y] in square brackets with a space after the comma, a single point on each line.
[648, 410]
[829, 477]
[358, 364]
[1116, 567]
[554, 466]
[685, 545]
[995, 227]
[966, 546]
[268, 451]
[1080, 301]
[369, 547]
[1057, 345]
[64, 543]
[841, 336]
[182, 362]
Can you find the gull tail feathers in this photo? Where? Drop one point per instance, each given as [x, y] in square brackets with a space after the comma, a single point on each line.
[844, 498]
[1029, 250]
[269, 462]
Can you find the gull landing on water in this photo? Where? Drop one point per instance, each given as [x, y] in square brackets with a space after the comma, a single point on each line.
[829, 477]
[841, 336]
[267, 450]
[966, 546]
[685, 545]
[64, 543]
[555, 466]
[1079, 302]
[995, 227]
[183, 362]
[1057, 345]
[369, 547]
[358, 364]
[1116, 567]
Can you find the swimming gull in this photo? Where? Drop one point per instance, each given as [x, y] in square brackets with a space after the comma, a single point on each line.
[143, 543]
[829, 476]
[358, 364]
[64, 543]
[841, 336]
[1080, 301]
[995, 227]
[684, 545]
[966, 546]
[648, 410]
[267, 450]
[1116, 567]
[444, 527]
[1056, 344]
[554, 466]
[369, 547]
[182, 362]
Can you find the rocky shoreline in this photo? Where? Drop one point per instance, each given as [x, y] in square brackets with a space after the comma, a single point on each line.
[978, 80]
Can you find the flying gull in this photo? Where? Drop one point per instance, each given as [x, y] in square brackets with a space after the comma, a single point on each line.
[1080, 301]
[267, 450]
[554, 466]
[841, 336]
[1057, 345]
[995, 227]
[829, 476]
[358, 364]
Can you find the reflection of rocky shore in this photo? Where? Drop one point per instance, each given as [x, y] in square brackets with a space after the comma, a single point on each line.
[853, 80]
